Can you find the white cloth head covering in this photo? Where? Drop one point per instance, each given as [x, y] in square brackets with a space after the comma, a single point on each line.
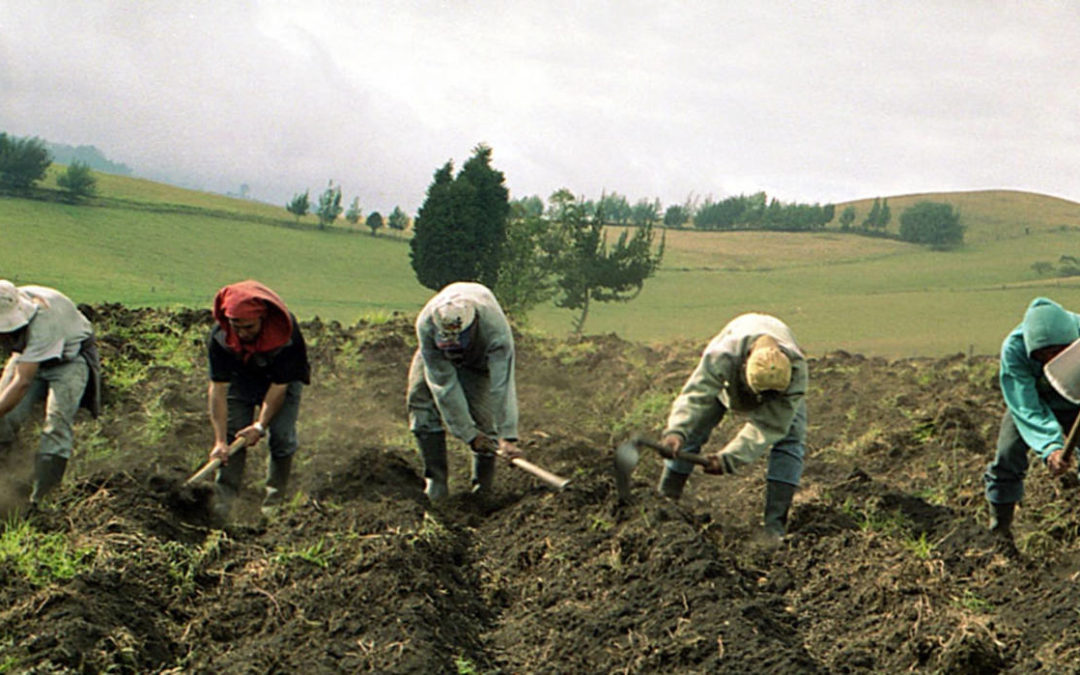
[453, 315]
[16, 307]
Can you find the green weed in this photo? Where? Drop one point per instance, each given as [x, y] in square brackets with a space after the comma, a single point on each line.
[465, 666]
[973, 603]
[318, 554]
[158, 422]
[8, 662]
[185, 562]
[871, 520]
[601, 525]
[921, 548]
[41, 558]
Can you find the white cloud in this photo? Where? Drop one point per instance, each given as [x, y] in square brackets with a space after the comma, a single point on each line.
[808, 101]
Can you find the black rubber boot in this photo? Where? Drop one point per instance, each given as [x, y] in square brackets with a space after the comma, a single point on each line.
[433, 454]
[227, 486]
[48, 472]
[777, 503]
[1001, 519]
[672, 483]
[483, 473]
[277, 480]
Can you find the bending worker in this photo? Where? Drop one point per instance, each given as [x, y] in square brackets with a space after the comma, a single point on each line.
[462, 374]
[755, 367]
[1037, 416]
[54, 359]
[258, 366]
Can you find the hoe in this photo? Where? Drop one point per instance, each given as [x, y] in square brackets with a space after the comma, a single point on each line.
[627, 456]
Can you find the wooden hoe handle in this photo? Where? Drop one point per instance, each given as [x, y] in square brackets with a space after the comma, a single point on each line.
[215, 463]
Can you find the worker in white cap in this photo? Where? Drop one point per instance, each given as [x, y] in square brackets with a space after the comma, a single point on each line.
[462, 379]
[753, 367]
[53, 360]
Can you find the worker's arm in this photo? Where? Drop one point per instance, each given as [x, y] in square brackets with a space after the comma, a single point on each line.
[272, 402]
[13, 392]
[218, 407]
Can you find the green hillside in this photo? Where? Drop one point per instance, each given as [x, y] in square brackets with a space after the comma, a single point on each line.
[147, 244]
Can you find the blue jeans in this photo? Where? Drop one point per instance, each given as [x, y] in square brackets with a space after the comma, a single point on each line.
[1004, 477]
[61, 387]
[785, 457]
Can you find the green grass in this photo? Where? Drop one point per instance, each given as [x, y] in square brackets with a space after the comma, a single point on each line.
[40, 558]
[144, 258]
[898, 302]
[146, 244]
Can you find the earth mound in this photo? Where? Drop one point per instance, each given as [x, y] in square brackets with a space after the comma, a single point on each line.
[887, 566]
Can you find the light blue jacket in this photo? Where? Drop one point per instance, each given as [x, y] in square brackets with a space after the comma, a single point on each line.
[1028, 395]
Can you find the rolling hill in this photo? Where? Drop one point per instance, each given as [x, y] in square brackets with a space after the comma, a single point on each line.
[147, 244]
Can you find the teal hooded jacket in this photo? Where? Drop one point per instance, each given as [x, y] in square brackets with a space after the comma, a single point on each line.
[1028, 395]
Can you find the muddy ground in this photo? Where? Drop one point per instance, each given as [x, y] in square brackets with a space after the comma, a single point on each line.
[887, 566]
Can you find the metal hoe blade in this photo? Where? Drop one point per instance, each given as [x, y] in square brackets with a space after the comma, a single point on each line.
[626, 458]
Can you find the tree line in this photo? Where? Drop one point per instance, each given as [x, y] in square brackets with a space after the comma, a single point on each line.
[329, 209]
[25, 161]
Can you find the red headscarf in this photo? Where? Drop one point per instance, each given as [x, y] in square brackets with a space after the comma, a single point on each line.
[251, 300]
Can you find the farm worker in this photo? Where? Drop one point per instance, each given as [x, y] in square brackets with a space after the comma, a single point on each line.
[258, 366]
[1037, 416]
[754, 367]
[462, 374]
[54, 359]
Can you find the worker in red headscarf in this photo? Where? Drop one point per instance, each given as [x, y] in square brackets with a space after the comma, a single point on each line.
[258, 366]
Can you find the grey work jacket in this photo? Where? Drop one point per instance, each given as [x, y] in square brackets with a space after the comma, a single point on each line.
[490, 352]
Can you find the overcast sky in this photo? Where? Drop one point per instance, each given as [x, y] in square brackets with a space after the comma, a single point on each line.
[807, 101]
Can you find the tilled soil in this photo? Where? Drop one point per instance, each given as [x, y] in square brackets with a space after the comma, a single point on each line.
[887, 566]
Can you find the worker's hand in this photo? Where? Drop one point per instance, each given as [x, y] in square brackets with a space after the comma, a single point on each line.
[673, 443]
[716, 465]
[251, 434]
[220, 451]
[509, 449]
[1057, 462]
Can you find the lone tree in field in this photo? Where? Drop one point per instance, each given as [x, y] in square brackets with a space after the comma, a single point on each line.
[329, 205]
[586, 269]
[23, 161]
[847, 218]
[374, 222]
[676, 216]
[77, 180]
[353, 213]
[299, 205]
[461, 227]
[397, 220]
[932, 223]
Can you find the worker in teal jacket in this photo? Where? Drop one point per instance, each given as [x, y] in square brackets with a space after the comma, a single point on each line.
[1038, 417]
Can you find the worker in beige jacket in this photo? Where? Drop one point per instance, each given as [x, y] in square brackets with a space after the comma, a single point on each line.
[754, 367]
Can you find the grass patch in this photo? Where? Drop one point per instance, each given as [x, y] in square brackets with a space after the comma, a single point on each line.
[185, 562]
[41, 558]
[147, 244]
[318, 554]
